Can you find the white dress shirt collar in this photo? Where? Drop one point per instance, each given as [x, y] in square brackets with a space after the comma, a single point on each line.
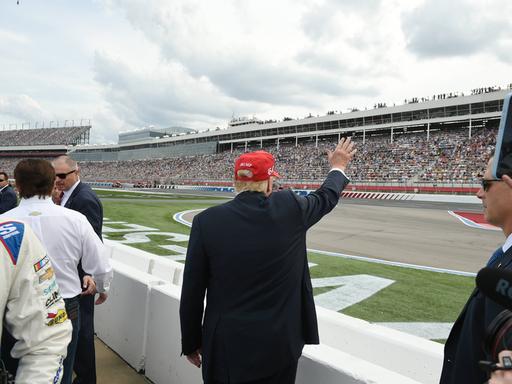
[68, 193]
[508, 243]
[36, 200]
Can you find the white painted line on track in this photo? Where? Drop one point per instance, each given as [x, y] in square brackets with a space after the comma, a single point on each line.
[179, 218]
[430, 331]
[393, 263]
[472, 224]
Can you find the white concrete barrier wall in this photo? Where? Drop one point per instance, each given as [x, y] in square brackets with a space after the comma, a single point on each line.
[140, 321]
[405, 354]
[326, 365]
[122, 321]
[164, 363]
[168, 270]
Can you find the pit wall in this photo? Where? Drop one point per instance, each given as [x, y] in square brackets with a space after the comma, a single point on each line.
[458, 195]
[472, 199]
[140, 322]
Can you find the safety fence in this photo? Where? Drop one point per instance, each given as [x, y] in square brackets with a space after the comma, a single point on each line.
[140, 322]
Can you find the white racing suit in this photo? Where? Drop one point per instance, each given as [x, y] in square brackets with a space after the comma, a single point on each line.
[34, 311]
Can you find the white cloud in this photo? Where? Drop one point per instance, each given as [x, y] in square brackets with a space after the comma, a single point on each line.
[439, 28]
[128, 63]
[22, 107]
[10, 37]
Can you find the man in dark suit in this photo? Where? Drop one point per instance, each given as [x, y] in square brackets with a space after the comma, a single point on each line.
[463, 349]
[80, 197]
[250, 255]
[8, 198]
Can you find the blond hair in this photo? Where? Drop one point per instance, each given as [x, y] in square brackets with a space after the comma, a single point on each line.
[253, 186]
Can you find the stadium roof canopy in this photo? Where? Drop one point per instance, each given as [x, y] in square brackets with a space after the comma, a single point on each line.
[473, 109]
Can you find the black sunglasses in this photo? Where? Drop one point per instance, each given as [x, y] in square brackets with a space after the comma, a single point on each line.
[64, 175]
[486, 183]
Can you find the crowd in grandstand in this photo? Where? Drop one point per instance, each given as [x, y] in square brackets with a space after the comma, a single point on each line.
[448, 156]
[42, 136]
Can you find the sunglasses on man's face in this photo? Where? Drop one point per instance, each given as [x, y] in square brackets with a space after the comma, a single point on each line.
[64, 175]
[486, 183]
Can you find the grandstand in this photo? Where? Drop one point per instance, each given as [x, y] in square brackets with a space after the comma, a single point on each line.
[438, 141]
[45, 136]
[447, 157]
[47, 143]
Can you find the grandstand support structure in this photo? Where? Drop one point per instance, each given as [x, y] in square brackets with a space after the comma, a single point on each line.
[471, 112]
[46, 143]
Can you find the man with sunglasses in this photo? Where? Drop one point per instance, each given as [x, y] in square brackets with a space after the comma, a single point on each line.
[80, 197]
[463, 349]
[8, 198]
[69, 239]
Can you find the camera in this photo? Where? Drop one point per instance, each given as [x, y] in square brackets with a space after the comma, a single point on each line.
[498, 336]
[496, 284]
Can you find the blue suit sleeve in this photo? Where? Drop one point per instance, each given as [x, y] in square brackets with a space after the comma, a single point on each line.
[195, 279]
[320, 202]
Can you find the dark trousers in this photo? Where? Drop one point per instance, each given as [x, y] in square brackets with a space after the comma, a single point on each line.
[73, 310]
[11, 364]
[285, 376]
[85, 360]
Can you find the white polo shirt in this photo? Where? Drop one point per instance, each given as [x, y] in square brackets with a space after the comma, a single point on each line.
[67, 237]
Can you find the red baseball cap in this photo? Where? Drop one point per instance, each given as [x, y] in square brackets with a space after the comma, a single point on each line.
[260, 163]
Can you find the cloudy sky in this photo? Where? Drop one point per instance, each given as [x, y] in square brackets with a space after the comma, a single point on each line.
[125, 64]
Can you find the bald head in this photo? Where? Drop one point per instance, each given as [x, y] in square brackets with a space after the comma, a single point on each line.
[65, 159]
[67, 172]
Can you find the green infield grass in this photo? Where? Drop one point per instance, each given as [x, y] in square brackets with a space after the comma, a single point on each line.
[123, 194]
[415, 296]
[155, 214]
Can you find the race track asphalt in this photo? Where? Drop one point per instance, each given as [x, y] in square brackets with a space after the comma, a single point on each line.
[420, 233]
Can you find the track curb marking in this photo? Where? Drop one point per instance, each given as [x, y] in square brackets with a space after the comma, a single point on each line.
[179, 218]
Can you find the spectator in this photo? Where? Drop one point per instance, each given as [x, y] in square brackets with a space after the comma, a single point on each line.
[464, 347]
[80, 197]
[8, 198]
[68, 238]
[42, 332]
[260, 310]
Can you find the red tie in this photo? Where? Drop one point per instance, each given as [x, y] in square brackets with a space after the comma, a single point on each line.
[60, 197]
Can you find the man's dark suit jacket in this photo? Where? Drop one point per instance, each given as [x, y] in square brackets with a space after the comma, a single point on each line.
[250, 255]
[84, 200]
[464, 347]
[8, 199]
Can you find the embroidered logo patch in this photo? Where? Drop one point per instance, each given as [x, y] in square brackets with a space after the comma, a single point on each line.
[11, 236]
[41, 263]
[57, 318]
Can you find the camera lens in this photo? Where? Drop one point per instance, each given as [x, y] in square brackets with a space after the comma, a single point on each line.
[498, 335]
